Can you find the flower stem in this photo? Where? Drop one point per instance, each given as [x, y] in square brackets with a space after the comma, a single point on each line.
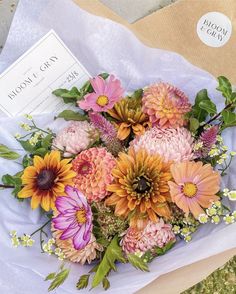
[41, 228]
[7, 186]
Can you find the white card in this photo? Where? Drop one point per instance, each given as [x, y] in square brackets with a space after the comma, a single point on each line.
[26, 86]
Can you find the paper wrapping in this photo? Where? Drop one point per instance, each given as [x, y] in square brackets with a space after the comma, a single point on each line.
[100, 45]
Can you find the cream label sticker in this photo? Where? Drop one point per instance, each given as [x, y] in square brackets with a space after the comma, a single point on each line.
[27, 85]
[214, 29]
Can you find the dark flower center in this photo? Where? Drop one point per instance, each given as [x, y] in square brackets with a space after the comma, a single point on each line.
[45, 179]
[142, 185]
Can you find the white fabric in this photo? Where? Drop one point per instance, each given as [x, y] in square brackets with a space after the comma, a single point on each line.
[101, 45]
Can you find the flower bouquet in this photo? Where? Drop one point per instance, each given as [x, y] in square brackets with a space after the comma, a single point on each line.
[128, 177]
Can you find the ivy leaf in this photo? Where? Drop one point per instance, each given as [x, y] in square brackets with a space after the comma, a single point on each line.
[50, 276]
[229, 119]
[59, 279]
[83, 282]
[72, 115]
[209, 106]
[225, 88]
[112, 254]
[137, 262]
[105, 283]
[6, 153]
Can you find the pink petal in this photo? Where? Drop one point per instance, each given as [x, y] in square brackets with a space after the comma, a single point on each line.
[98, 85]
[69, 233]
[78, 241]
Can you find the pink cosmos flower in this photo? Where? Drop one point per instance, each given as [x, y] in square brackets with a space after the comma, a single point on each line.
[195, 186]
[74, 218]
[105, 95]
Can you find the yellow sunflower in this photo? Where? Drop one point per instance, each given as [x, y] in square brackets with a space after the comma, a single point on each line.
[46, 179]
[129, 118]
[140, 189]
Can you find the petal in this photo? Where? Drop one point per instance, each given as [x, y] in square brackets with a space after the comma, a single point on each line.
[69, 233]
[78, 241]
[35, 201]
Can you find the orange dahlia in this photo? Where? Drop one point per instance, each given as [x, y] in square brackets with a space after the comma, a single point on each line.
[140, 187]
[129, 118]
[165, 105]
[93, 172]
[46, 179]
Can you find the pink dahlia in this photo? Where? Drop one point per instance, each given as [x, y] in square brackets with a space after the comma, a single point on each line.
[77, 136]
[106, 94]
[74, 218]
[165, 105]
[93, 168]
[154, 235]
[171, 144]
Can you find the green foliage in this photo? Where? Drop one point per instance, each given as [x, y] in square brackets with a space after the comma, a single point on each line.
[137, 262]
[228, 119]
[105, 283]
[161, 251]
[6, 153]
[138, 94]
[225, 88]
[112, 254]
[58, 279]
[41, 148]
[68, 96]
[72, 115]
[27, 161]
[50, 276]
[15, 182]
[193, 124]
[83, 282]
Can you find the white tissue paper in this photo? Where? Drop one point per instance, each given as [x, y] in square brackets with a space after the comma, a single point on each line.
[101, 46]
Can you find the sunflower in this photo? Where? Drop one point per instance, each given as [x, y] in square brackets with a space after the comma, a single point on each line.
[129, 117]
[140, 189]
[46, 179]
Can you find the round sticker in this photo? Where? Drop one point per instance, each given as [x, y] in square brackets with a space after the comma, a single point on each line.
[214, 29]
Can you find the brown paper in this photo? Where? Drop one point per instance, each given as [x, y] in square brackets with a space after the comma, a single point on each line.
[174, 28]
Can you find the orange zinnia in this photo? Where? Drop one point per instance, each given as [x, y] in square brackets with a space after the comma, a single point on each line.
[46, 179]
[140, 189]
[129, 118]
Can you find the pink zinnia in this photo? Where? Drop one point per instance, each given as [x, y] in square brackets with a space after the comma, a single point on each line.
[74, 218]
[195, 186]
[165, 105]
[105, 95]
[153, 235]
[171, 144]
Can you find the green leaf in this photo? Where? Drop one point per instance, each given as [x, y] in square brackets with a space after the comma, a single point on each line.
[225, 88]
[47, 141]
[112, 254]
[209, 106]
[59, 279]
[14, 181]
[50, 276]
[161, 251]
[27, 161]
[68, 96]
[137, 262]
[138, 94]
[72, 115]
[104, 75]
[40, 151]
[83, 282]
[229, 119]
[193, 124]
[26, 145]
[105, 283]
[6, 153]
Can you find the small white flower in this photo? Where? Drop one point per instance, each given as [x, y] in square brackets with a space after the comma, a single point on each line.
[197, 146]
[185, 231]
[28, 116]
[217, 204]
[220, 161]
[60, 254]
[224, 148]
[176, 229]
[139, 253]
[234, 214]
[232, 195]
[188, 238]
[215, 219]
[226, 192]
[13, 233]
[17, 136]
[232, 153]
[228, 219]
[27, 241]
[214, 152]
[219, 139]
[15, 241]
[211, 211]
[47, 248]
[203, 218]
[25, 126]
[224, 156]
